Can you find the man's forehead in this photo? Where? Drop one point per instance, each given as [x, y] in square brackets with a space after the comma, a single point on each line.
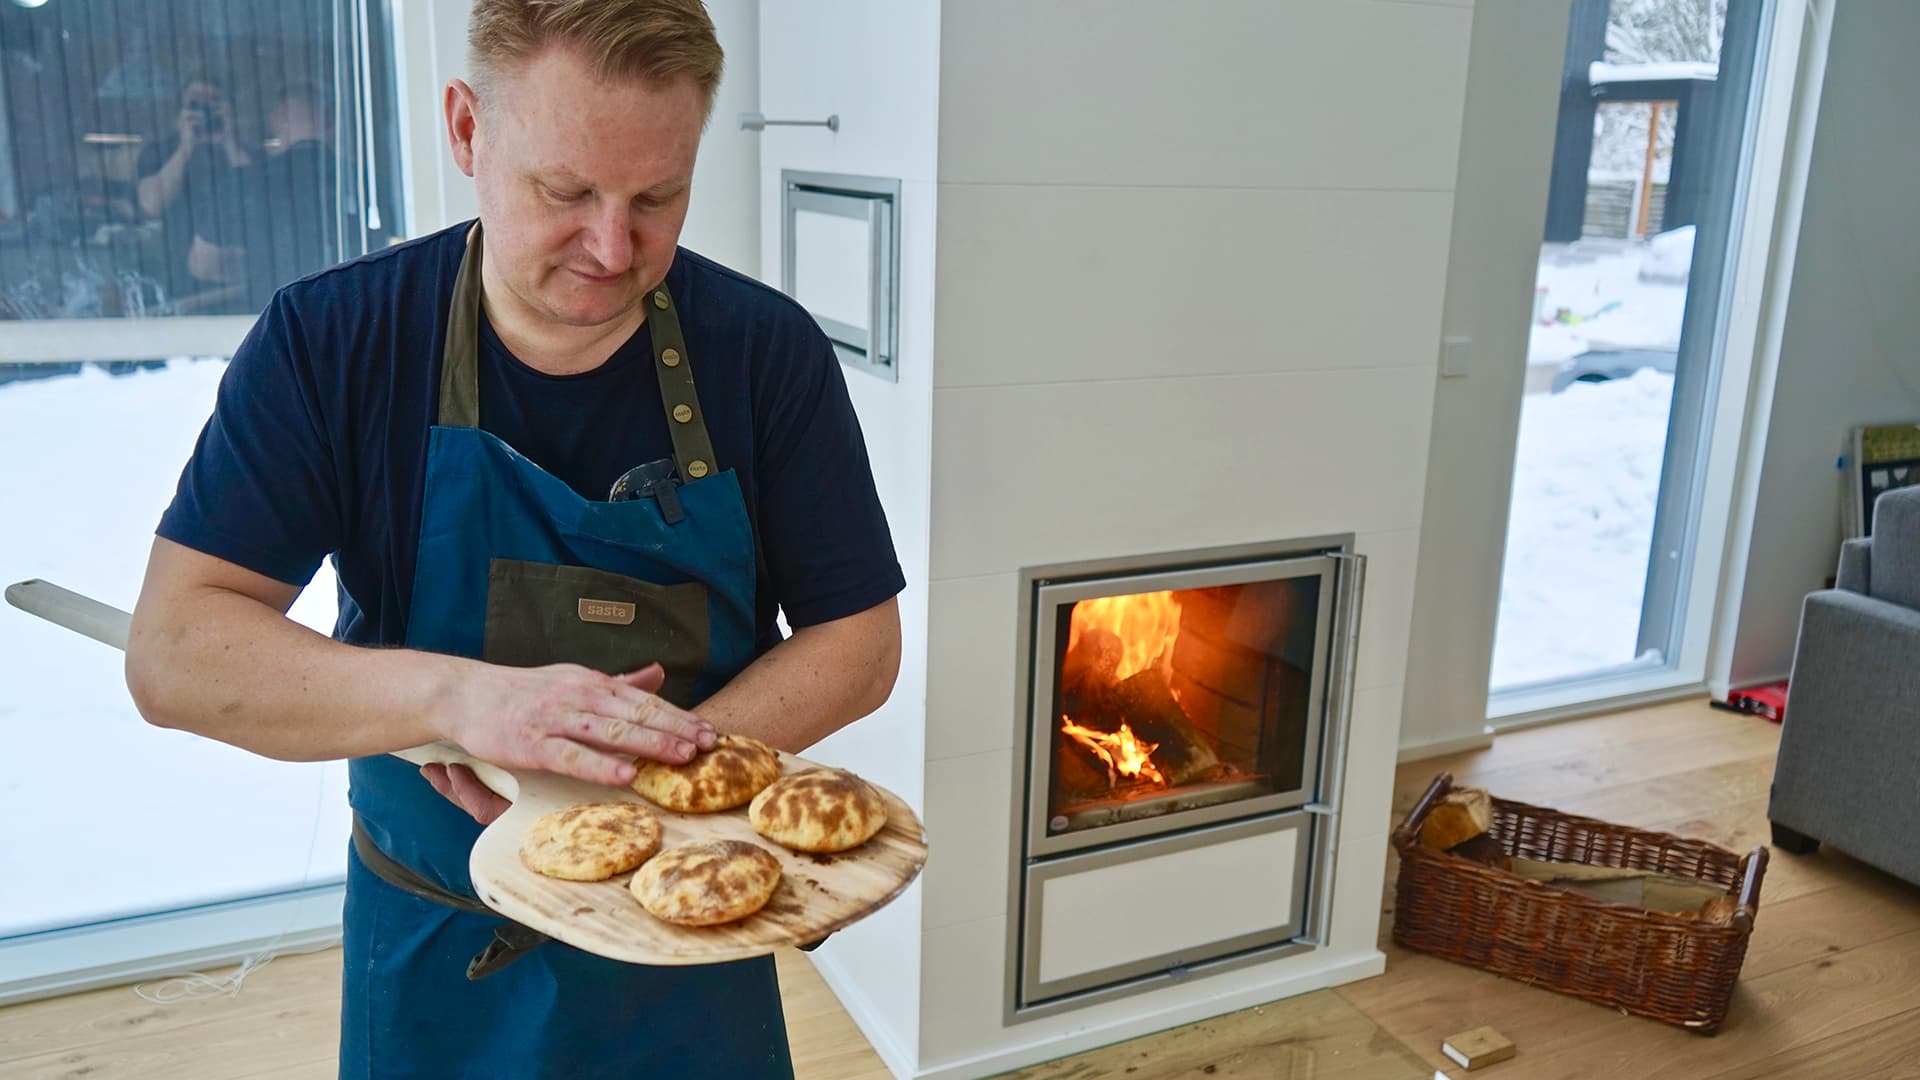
[566, 173]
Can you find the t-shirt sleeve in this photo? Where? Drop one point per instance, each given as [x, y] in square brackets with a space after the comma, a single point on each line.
[829, 552]
[261, 489]
[149, 161]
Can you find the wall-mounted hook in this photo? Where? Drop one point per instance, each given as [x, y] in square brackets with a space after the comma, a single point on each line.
[753, 121]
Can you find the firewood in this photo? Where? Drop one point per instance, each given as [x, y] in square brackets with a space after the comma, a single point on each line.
[1485, 850]
[1719, 910]
[1148, 708]
[1463, 814]
[1090, 667]
[1078, 770]
[1624, 885]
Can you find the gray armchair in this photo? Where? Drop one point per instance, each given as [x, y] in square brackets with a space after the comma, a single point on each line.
[1848, 772]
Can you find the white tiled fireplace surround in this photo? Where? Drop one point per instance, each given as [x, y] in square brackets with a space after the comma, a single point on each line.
[1183, 294]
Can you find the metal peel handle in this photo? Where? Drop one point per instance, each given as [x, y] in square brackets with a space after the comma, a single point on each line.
[82, 614]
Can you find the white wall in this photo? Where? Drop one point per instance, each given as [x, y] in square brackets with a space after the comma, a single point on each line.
[876, 64]
[1847, 350]
[430, 48]
[723, 222]
[1513, 99]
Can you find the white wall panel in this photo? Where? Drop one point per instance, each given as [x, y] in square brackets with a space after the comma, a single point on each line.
[1041, 284]
[1079, 470]
[1231, 93]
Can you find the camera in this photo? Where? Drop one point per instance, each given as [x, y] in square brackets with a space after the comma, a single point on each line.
[209, 120]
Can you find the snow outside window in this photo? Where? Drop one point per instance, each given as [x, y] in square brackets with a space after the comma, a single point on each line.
[164, 166]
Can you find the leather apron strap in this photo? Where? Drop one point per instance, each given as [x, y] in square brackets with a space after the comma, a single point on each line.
[510, 941]
[460, 367]
[692, 448]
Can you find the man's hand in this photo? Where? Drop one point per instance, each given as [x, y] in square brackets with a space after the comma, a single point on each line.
[564, 719]
[463, 789]
[190, 128]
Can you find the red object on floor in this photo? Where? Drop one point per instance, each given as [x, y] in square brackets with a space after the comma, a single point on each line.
[1769, 701]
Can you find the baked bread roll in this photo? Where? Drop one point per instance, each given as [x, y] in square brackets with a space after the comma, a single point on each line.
[729, 775]
[591, 842]
[820, 810]
[720, 881]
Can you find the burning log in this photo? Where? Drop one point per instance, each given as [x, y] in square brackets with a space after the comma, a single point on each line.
[1145, 703]
[1089, 672]
[1076, 770]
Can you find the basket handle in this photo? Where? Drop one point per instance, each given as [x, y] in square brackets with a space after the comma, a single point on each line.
[1750, 888]
[1403, 836]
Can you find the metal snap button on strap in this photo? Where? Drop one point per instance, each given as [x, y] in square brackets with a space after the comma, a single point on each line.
[660, 300]
[656, 480]
[682, 413]
[696, 469]
[670, 357]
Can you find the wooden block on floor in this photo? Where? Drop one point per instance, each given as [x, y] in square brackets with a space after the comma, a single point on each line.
[1480, 1047]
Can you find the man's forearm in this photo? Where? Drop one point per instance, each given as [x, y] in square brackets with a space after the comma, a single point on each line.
[814, 683]
[231, 668]
[159, 190]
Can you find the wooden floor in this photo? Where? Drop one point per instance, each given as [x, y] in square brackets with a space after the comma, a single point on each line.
[1831, 986]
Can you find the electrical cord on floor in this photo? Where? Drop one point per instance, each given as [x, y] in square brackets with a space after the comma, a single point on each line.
[196, 985]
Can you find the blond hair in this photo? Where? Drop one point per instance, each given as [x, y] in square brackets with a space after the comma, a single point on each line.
[655, 41]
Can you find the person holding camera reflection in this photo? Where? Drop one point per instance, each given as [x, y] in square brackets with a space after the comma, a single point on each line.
[188, 180]
[285, 221]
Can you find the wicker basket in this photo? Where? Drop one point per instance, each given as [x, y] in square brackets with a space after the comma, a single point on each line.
[1667, 967]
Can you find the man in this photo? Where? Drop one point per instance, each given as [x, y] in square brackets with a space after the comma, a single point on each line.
[448, 419]
[187, 182]
[289, 218]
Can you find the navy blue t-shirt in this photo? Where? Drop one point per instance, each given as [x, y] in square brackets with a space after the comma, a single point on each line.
[318, 442]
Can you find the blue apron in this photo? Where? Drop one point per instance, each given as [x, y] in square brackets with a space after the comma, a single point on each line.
[514, 567]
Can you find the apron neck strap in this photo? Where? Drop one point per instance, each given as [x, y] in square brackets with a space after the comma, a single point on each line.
[692, 448]
[460, 367]
[460, 363]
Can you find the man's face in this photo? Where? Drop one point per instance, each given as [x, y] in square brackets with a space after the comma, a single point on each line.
[582, 184]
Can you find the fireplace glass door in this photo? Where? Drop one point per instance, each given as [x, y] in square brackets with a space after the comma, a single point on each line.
[1176, 698]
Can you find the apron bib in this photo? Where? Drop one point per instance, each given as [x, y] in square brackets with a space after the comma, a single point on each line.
[516, 568]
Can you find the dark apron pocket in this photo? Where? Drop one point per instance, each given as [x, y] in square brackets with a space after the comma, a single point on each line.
[540, 613]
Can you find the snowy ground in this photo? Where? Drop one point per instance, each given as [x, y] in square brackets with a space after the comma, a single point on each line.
[1600, 283]
[1587, 470]
[127, 818]
[1585, 480]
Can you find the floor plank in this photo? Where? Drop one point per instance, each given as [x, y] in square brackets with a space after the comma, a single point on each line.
[285, 1023]
[1882, 1050]
[1317, 1036]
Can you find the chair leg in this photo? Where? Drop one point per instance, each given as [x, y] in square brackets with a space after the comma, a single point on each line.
[1792, 841]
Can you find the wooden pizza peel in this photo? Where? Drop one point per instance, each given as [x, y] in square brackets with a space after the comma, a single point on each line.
[818, 894]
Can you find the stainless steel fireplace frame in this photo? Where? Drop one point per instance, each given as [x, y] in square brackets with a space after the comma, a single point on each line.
[1315, 919]
[1044, 590]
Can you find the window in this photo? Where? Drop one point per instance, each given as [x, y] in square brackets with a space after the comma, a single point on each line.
[180, 157]
[165, 165]
[1627, 366]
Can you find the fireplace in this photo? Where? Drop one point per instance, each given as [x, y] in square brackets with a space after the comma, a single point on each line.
[1186, 717]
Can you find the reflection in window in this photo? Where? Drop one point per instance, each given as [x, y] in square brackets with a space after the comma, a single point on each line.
[166, 157]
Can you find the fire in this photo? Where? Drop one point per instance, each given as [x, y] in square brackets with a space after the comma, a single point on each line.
[1145, 623]
[1124, 752]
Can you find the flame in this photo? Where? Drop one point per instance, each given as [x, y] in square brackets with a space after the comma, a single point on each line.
[1145, 623]
[1123, 751]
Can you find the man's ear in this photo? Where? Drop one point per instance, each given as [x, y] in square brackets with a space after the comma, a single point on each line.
[462, 107]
